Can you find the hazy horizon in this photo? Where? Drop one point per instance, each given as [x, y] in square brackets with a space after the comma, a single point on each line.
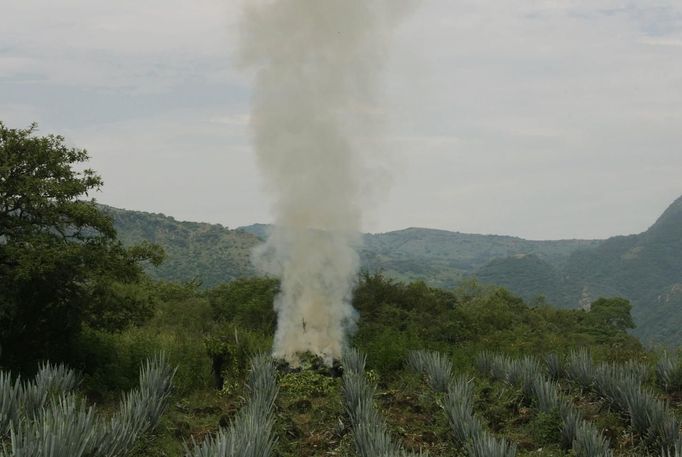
[240, 226]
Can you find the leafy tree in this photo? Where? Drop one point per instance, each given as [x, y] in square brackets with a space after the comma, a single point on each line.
[611, 313]
[60, 262]
[247, 302]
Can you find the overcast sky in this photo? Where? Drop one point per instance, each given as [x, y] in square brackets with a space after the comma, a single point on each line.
[540, 119]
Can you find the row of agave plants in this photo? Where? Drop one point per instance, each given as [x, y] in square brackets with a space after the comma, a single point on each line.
[467, 429]
[576, 432]
[622, 388]
[370, 433]
[46, 417]
[251, 433]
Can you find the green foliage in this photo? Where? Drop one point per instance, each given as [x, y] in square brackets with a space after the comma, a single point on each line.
[209, 254]
[60, 262]
[611, 315]
[110, 361]
[247, 303]
[546, 427]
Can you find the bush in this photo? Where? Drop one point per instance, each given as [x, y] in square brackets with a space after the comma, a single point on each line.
[246, 302]
[111, 362]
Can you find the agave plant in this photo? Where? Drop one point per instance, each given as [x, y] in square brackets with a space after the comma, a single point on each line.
[589, 442]
[59, 424]
[139, 411]
[570, 419]
[353, 361]
[251, 433]
[580, 435]
[669, 373]
[487, 445]
[65, 427]
[546, 394]
[9, 402]
[554, 366]
[523, 372]
[580, 368]
[435, 366]
[459, 409]
[650, 417]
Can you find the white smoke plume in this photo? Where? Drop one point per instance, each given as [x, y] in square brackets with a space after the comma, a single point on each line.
[314, 102]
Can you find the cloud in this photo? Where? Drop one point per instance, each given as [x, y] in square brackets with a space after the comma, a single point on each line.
[543, 119]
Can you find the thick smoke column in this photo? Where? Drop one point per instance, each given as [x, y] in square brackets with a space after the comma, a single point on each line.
[316, 67]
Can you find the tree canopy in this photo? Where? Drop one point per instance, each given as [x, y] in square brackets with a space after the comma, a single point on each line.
[61, 264]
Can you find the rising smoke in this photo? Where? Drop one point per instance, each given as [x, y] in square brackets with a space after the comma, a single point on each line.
[314, 105]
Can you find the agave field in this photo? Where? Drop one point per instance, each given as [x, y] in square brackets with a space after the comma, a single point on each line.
[45, 416]
[578, 408]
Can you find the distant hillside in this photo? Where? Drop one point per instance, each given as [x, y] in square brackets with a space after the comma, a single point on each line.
[211, 253]
[443, 258]
[645, 268]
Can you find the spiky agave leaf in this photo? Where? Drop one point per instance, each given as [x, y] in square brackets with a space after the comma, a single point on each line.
[669, 373]
[64, 428]
[546, 394]
[523, 372]
[9, 402]
[435, 366]
[486, 445]
[570, 418]
[459, 409]
[589, 442]
[580, 368]
[485, 362]
[139, 410]
[56, 378]
[416, 360]
[554, 366]
[353, 361]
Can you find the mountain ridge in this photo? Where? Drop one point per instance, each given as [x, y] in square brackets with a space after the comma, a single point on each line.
[645, 268]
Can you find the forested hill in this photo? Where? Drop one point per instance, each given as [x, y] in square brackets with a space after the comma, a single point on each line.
[645, 268]
[211, 253]
[215, 254]
[442, 258]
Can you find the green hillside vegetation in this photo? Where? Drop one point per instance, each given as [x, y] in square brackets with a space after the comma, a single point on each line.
[442, 258]
[645, 268]
[211, 336]
[99, 359]
[209, 253]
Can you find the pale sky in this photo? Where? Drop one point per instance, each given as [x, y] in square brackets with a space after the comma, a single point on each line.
[536, 118]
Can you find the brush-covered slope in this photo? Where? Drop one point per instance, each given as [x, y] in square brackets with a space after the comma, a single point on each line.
[442, 258]
[645, 268]
[213, 254]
